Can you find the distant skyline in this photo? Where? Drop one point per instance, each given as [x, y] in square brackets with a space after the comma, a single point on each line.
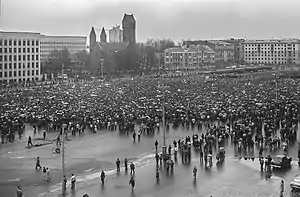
[175, 19]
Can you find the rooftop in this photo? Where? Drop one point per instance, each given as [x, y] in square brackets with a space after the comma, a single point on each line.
[286, 40]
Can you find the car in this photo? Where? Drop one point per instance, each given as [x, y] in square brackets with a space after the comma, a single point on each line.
[281, 161]
[295, 183]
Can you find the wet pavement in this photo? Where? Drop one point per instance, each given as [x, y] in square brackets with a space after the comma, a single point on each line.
[89, 154]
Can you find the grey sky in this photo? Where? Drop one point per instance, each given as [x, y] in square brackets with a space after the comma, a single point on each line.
[177, 19]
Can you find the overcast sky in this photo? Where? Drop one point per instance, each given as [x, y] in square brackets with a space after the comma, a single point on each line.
[175, 19]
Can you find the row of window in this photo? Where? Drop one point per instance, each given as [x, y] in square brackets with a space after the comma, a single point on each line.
[18, 74]
[268, 45]
[265, 59]
[19, 50]
[19, 58]
[19, 42]
[14, 65]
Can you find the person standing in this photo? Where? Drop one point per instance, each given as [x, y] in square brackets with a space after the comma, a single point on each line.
[29, 144]
[156, 145]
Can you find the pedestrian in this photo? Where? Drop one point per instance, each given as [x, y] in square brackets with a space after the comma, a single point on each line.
[156, 144]
[48, 177]
[139, 136]
[19, 191]
[44, 135]
[118, 164]
[133, 136]
[126, 165]
[29, 143]
[44, 173]
[132, 168]
[38, 164]
[281, 188]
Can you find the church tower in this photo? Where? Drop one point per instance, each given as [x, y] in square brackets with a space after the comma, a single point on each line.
[92, 39]
[103, 37]
[128, 24]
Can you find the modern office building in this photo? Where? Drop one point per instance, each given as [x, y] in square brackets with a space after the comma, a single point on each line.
[284, 51]
[73, 44]
[19, 56]
[116, 34]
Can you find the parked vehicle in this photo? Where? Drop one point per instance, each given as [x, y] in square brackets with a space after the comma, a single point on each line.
[281, 161]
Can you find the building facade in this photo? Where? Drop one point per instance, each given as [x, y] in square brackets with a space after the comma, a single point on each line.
[238, 49]
[19, 56]
[285, 51]
[73, 44]
[187, 57]
[116, 34]
[223, 51]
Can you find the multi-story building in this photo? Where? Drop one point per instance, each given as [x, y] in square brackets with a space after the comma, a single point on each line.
[238, 49]
[73, 44]
[223, 51]
[284, 51]
[188, 57]
[116, 34]
[19, 56]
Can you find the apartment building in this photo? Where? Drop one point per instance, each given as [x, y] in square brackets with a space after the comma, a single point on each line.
[73, 44]
[19, 56]
[284, 51]
[188, 57]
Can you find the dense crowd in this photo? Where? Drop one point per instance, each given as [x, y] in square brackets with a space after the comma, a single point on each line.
[120, 104]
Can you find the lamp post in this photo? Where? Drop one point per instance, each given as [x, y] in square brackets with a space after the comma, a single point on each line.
[63, 160]
[164, 148]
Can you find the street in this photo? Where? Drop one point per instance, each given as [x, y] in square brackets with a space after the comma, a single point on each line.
[87, 155]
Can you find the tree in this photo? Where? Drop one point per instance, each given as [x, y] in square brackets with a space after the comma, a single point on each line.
[60, 58]
[82, 57]
[160, 44]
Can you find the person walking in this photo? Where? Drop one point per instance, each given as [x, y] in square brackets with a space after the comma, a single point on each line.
[29, 143]
[38, 164]
[281, 188]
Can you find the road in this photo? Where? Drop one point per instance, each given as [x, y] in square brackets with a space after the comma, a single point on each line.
[87, 155]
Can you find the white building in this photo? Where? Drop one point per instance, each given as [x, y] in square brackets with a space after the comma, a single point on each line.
[116, 34]
[49, 44]
[285, 51]
[19, 56]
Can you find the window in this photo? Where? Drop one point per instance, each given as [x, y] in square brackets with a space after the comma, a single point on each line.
[10, 43]
[15, 65]
[23, 65]
[20, 73]
[15, 43]
[0, 50]
[10, 50]
[1, 59]
[24, 42]
[28, 50]
[10, 58]
[5, 66]
[28, 42]
[20, 65]
[0, 42]
[0, 74]
[32, 72]
[10, 73]
[37, 57]
[24, 73]
[32, 57]
[20, 58]
[32, 43]
[28, 73]
[19, 50]
[5, 50]
[15, 50]
[10, 65]
[32, 65]
[37, 50]
[37, 64]
[28, 65]
[1, 66]
[20, 42]
[24, 50]
[28, 57]
[5, 74]
[5, 58]
[37, 43]
[32, 50]
[24, 57]
[37, 72]
[5, 42]
[15, 58]
[15, 73]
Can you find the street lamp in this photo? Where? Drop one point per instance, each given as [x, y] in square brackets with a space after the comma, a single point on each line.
[63, 160]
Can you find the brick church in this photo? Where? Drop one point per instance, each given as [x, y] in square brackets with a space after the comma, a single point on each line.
[117, 56]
